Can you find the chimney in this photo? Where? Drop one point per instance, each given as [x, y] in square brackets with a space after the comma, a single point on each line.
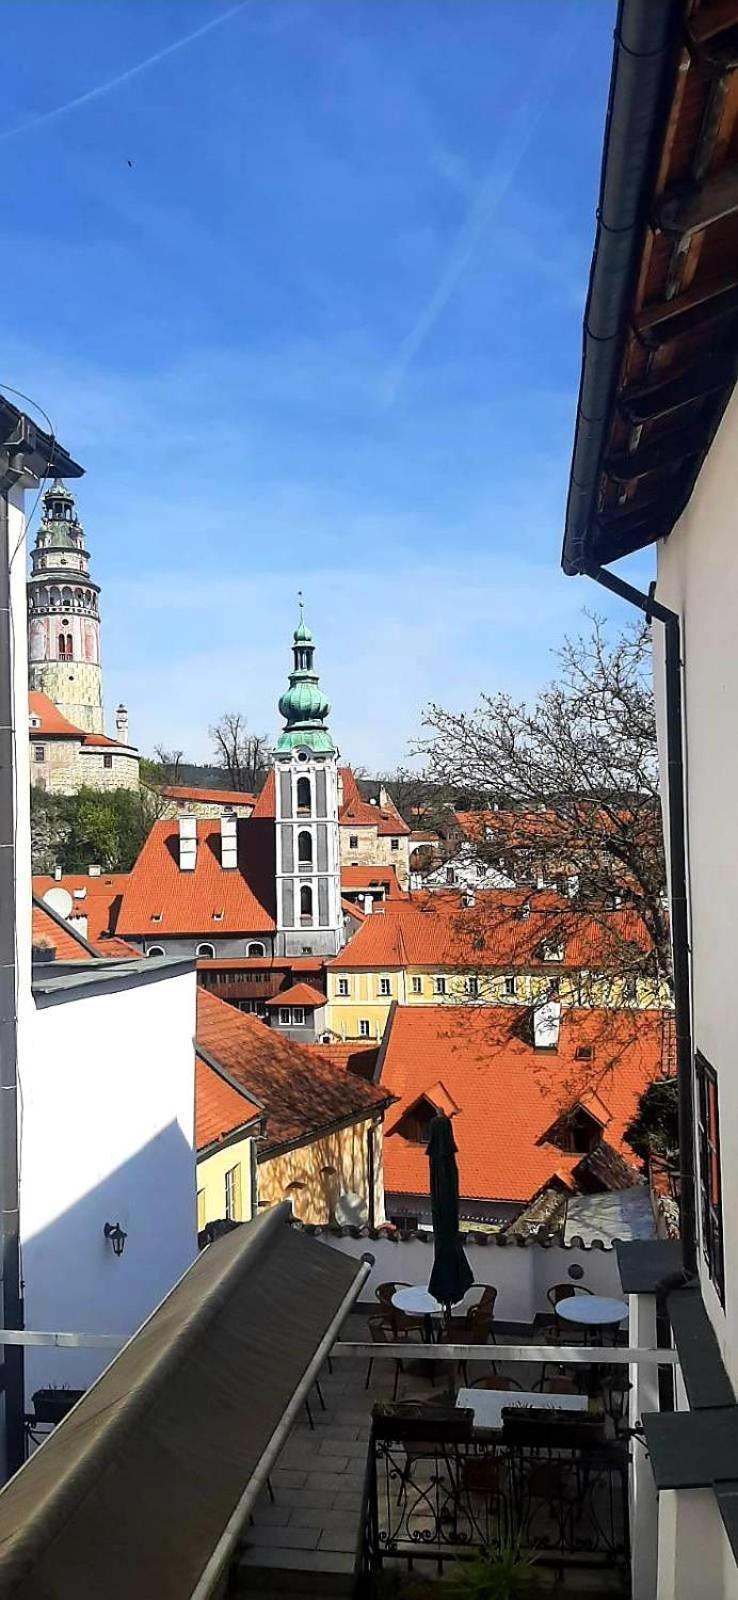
[121, 724]
[470, 899]
[368, 904]
[384, 798]
[93, 870]
[228, 843]
[187, 843]
[78, 922]
[547, 1023]
[57, 873]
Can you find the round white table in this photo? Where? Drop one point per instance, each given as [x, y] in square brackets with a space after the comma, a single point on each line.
[592, 1310]
[415, 1301]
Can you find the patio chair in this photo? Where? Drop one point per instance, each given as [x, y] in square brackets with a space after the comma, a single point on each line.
[382, 1331]
[561, 1384]
[485, 1477]
[401, 1322]
[496, 1380]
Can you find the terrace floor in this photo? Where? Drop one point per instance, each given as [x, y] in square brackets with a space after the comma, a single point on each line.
[306, 1539]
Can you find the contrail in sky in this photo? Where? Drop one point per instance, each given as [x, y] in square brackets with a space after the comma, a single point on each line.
[523, 125]
[122, 77]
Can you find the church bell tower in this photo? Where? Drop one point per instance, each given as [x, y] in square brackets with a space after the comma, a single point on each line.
[308, 862]
[64, 615]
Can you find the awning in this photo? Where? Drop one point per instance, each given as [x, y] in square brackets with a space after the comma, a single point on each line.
[132, 1492]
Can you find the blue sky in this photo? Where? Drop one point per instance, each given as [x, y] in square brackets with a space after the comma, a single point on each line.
[323, 332]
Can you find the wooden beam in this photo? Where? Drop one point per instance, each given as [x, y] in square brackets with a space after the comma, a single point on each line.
[701, 305]
[656, 455]
[713, 19]
[644, 402]
[699, 207]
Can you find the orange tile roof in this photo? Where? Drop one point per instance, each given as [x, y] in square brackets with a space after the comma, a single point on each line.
[113, 949]
[351, 909]
[361, 814]
[223, 797]
[300, 994]
[438, 930]
[302, 1092]
[314, 964]
[66, 943]
[53, 725]
[365, 878]
[510, 1094]
[100, 902]
[349, 1057]
[207, 899]
[219, 1107]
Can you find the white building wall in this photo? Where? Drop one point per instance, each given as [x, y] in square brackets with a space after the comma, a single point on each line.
[107, 1136]
[698, 577]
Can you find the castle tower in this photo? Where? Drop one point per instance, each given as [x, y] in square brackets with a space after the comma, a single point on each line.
[64, 616]
[308, 862]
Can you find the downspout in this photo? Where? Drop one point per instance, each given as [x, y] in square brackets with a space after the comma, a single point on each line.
[651, 609]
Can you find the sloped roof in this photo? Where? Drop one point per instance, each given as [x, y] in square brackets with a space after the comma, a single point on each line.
[503, 929]
[300, 994]
[354, 811]
[97, 897]
[366, 878]
[303, 1093]
[69, 945]
[349, 1057]
[220, 1107]
[223, 797]
[207, 899]
[52, 725]
[509, 1094]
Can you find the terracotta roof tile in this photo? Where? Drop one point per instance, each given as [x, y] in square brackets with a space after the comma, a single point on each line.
[207, 899]
[302, 1091]
[510, 1094]
[300, 994]
[219, 1108]
[366, 878]
[223, 797]
[53, 725]
[349, 1058]
[97, 897]
[66, 944]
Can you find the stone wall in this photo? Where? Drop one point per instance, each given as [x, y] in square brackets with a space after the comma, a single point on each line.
[75, 688]
[374, 849]
[67, 767]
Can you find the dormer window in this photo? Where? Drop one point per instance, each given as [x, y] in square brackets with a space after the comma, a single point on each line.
[415, 1124]
[552, 950]
[157, 916]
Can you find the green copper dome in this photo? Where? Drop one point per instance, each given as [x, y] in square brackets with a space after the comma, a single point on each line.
[304, 705]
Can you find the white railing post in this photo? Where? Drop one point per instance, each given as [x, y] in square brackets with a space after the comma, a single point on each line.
[644, 1396]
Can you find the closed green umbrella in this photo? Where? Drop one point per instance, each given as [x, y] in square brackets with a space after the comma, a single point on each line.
[451, 1275]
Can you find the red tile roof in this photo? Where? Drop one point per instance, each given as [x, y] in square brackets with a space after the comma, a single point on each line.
[366, 878]
[206, 899]
[349, 1058]
[302, 1092]
[219, 1107]
[354, 811]
[222, 797]
[300, 994]
[100, 902]
[351, 909]
[67, 945]
[53, 725]
[510, 1094]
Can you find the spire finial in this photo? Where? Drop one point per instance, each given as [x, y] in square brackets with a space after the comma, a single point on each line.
[301, 604]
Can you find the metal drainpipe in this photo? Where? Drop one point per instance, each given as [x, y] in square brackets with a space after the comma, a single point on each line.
[653, 608]
[11, 1304]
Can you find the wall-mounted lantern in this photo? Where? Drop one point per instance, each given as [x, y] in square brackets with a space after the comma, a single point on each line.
[116, 1237]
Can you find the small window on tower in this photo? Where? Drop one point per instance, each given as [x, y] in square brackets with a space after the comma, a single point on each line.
[39, 752]
[303, 797]
[107, 760]
[306, 905]
[353, 841]
[305, 850]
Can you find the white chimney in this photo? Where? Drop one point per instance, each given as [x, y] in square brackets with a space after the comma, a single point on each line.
[187, 843]
[121, 724]
[368, 904]
[94, 870]
[57, 873]
[383, 795]
[572, 885]
[547, 1023]
[79, 923]
[470, 899]
[228, 843]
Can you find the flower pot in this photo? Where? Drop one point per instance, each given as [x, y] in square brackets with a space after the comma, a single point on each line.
[51, 1405]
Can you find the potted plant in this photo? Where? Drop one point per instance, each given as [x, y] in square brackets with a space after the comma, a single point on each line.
[411, 1419]
[43, 949]
[53, 1403]
[505, 1574]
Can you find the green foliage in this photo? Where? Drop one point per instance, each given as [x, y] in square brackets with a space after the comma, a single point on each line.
[506, 1575]
[103, 826]
[655, 1126]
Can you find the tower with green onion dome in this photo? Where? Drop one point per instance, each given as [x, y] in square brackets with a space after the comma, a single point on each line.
[64, 615]
[308, 863]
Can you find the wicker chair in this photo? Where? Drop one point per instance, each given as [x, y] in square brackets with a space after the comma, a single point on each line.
[403, 1324]
[496, 1380]
[382, 1331]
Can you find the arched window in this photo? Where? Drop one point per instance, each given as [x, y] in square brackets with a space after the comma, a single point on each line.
[206, 952]
[70, 651]
[156, 950]
[255, 950]
[306, 905]
[303, 797]
[304, 850]
[63, 638]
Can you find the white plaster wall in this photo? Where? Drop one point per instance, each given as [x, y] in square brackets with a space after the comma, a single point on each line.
[521, 1274]
[695, 1558]
[17, 545]
[698, 577]
[107, 1136]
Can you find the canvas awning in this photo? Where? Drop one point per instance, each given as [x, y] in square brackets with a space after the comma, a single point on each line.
[132, 1492]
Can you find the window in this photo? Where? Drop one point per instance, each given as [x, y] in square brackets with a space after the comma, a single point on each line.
[439, 985]
[39, 752]
[416, 1123]
[303, 797]
[472, 987]
[343, 987]
[156, 950]
[711, 1203]
[450, 875]
[305, 850]
[206, 952]
[554, 985]
[584, 1052]
[285, 1016]
[298, 1016]
[363, 1029]
[510, 987]
[107, 760]
[255, 950]
[394, 844]
[552, 950]
[201, 1211]
[233, 1194]
[385, 987]
[417, 985]
[306, 905]
[353, 841]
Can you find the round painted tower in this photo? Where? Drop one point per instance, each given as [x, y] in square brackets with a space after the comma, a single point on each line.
[64, 615]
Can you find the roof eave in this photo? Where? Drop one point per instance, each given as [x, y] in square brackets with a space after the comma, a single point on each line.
[31, 452]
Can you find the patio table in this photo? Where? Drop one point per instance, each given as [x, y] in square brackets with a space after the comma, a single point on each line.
[592, 1311]
[489, 1404]
[416, 1301]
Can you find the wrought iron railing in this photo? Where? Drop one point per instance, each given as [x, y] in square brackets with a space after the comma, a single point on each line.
[436, 1490]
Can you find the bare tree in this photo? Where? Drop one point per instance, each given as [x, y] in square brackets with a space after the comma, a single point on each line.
[566, 788]
[169, 763]
[241, 754]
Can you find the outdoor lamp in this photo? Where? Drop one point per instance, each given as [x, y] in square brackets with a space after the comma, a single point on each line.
[117, 1237]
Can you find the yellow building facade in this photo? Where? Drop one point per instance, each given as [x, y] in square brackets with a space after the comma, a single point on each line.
[316, 1175]
[226, 1186]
